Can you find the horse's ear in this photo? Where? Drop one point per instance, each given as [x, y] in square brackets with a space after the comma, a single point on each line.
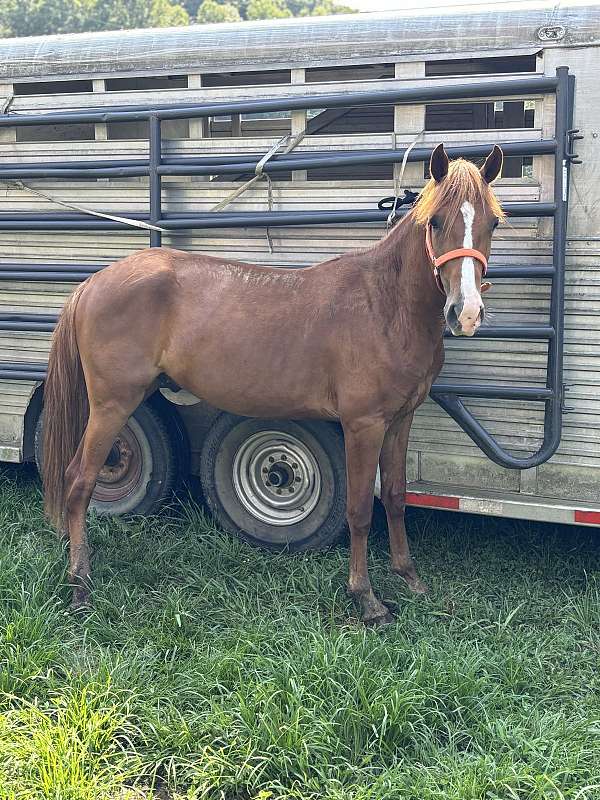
[438, 166]
[493, 165]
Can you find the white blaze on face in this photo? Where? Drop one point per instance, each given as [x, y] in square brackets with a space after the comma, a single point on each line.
[468, 288]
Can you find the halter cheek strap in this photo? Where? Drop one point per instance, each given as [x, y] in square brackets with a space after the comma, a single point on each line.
[461, 252]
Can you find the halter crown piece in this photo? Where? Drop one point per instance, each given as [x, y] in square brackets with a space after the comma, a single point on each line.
[461, 252]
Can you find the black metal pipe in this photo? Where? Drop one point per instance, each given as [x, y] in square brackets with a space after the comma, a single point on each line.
[450, 401]
[48, 273]
[227, 166]
[564, 117]
[536, 332]
[248, 219]
[30, 371]
[28, 327]
[491, 392]
[44, 277]
[28, 318]
[444, 394]
[155, 152]
[520, 272]
[24, 375]
[46, 322]
[404, 95]
[335, 160]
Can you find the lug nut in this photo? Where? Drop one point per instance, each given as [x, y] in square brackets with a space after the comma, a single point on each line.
[294, 465]
[271, 460]
[291, 490]
[278, 491]
[297, 479]
[267, 484]
[265, 469]
[283, 457]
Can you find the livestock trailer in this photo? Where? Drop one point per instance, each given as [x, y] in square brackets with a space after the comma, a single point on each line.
[277, 142]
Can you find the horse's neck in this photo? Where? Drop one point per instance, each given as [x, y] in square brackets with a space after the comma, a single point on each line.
[404, 272]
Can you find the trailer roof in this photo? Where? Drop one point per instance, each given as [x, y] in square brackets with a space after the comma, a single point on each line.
[434, 30]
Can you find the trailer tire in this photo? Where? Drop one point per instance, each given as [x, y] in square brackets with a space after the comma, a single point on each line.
[278, 484]
[142, 469]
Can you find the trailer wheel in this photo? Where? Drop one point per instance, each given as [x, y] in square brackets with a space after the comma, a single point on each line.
[279, 484]
[142, 467]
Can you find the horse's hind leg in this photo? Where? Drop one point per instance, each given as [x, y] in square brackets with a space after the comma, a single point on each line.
[105, 422]
[393, 495]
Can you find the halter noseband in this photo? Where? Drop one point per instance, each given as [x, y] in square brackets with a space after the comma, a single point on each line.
[464, 252]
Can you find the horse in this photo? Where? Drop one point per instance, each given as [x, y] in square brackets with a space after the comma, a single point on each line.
[367, 344]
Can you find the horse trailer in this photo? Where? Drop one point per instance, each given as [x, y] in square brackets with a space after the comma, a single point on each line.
[287, 142]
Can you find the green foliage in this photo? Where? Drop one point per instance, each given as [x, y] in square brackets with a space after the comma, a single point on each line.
[267, 9]
[38, 17]
[212, 11]
[210, 670]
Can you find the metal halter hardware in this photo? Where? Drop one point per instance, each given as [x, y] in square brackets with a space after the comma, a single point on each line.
[460, 252]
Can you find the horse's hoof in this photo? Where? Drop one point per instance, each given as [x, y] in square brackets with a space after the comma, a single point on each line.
[414, 583]
[386, 618]
[81, 607]
[376, 614]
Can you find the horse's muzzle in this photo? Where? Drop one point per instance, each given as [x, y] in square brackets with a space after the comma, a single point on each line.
[464, 322]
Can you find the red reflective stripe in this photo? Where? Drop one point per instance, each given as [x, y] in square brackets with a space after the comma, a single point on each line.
[588, 517]
[432, 500]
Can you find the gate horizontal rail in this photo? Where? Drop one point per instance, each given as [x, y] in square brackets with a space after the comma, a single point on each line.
[227, 165]
[446, 394]
[238, 219]
[521, 87]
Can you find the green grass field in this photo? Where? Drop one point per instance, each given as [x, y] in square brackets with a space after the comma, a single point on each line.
[212, 670]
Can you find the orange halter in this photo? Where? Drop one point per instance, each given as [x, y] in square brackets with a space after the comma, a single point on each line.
[464, 252]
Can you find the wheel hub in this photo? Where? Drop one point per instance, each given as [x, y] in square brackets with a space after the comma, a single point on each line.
[276, 478]
[122, 468]
[118, 463]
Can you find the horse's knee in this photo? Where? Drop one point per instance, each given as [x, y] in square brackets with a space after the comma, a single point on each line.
[359, 519]
[394, 499]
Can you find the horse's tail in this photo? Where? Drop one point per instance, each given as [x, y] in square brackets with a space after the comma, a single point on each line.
[66, 409]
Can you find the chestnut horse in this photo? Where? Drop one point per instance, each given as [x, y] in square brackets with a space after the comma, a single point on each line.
[365, 348]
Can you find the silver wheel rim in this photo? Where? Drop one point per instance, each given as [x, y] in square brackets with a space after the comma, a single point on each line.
[276, 478]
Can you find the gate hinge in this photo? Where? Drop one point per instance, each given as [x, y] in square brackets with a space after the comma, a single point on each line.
[573, 135]
[563, 406]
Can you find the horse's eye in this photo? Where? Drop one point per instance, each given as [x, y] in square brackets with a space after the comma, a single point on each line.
[434, 222]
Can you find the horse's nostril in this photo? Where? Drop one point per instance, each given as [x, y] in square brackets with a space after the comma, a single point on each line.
[452, 317]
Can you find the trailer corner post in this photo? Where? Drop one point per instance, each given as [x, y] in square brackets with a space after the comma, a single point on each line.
[154, 161]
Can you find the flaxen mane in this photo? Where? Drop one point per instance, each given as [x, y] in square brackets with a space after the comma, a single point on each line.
[464, 182]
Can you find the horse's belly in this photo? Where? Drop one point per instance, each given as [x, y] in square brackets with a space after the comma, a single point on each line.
[258, 390]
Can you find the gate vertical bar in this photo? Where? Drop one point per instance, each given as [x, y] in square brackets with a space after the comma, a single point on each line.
[154, 159]
[554, 379]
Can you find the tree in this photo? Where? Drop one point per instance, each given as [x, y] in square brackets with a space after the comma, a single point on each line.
[212, 11]
[38, 17]
[267, 9]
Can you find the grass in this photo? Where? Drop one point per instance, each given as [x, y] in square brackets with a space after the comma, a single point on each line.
[212, 670]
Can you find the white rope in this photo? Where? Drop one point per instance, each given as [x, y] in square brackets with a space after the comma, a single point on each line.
[289, 143]
[135, 223]
[398, 179]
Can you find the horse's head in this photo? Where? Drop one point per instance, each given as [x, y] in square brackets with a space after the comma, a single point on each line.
[460, 212]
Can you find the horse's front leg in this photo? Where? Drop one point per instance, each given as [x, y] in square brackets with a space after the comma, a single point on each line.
[363, 441]
[392, 462]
